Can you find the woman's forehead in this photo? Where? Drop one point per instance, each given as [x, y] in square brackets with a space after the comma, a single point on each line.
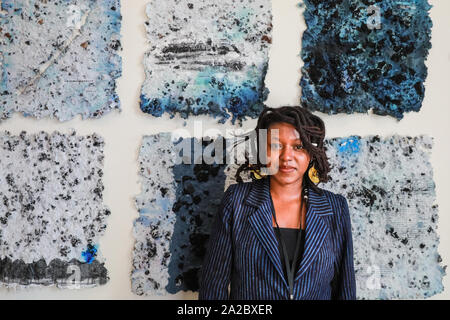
[283, 131]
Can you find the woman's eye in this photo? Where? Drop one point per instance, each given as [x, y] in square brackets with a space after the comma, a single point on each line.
[298, 147]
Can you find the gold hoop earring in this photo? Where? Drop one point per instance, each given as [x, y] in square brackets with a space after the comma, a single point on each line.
[257, 174]
[313, 175]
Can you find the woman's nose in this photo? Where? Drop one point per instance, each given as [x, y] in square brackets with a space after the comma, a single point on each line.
[286, 153]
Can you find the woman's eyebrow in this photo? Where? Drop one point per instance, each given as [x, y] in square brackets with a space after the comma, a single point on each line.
[291, 140]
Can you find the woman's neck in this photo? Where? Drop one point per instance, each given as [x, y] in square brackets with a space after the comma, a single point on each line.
[291, 191]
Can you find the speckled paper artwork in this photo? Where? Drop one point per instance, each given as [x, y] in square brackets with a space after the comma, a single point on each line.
[388, 183]
[365, 55]
[59, 59]
[176, 207]
[206, 57]
[51, 210]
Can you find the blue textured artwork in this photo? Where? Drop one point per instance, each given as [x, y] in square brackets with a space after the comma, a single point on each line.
[363, 55]
[390, 190]
[207, 57]
[176, 209]
[59, 58]
[51, 210]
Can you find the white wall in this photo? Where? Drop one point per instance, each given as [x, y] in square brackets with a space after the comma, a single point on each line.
[123, 132]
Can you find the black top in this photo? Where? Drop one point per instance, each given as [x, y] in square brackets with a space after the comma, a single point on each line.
[290, 239]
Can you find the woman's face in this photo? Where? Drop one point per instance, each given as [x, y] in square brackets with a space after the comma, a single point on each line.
[287, 159]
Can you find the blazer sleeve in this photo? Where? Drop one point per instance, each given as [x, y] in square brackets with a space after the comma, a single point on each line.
[217, 265]
[345, 285]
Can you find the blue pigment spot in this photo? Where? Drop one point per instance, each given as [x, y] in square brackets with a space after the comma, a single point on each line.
[90, 253]
[349, 145]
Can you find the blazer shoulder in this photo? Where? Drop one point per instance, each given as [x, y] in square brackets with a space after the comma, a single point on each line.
[336, 200]
[333, 195]
[238, 191]
[341, 220]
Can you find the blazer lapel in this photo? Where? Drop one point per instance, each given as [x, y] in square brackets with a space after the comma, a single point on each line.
[261, 220]
[317, 228]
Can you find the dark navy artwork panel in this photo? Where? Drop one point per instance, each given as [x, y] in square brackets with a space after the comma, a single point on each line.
[365, 55]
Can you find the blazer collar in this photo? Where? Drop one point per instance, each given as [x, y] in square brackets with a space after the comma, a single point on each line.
[261, 220]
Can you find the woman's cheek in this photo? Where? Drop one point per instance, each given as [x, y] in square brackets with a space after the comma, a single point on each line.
[303, 162]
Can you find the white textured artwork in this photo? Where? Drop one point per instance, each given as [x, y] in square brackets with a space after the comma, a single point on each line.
[51, 209]
[153, 229]
[59, 58]
[388, 184]
[207, 57]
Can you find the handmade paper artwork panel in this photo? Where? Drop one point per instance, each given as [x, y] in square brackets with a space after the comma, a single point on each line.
[365, 55]
[59, 59]
[176, 207]
[51, 210]
[388, 183]
[206, 57]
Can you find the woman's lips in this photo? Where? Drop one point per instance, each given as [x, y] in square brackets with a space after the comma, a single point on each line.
[286, 169]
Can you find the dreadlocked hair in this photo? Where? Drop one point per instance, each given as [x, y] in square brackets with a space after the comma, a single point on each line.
[312, 133]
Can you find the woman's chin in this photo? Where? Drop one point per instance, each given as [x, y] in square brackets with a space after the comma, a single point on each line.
[286, 177]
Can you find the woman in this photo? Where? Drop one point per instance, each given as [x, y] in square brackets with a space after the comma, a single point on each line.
[280, 236]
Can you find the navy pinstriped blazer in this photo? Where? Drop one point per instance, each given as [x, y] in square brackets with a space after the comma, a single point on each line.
[243, 249]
